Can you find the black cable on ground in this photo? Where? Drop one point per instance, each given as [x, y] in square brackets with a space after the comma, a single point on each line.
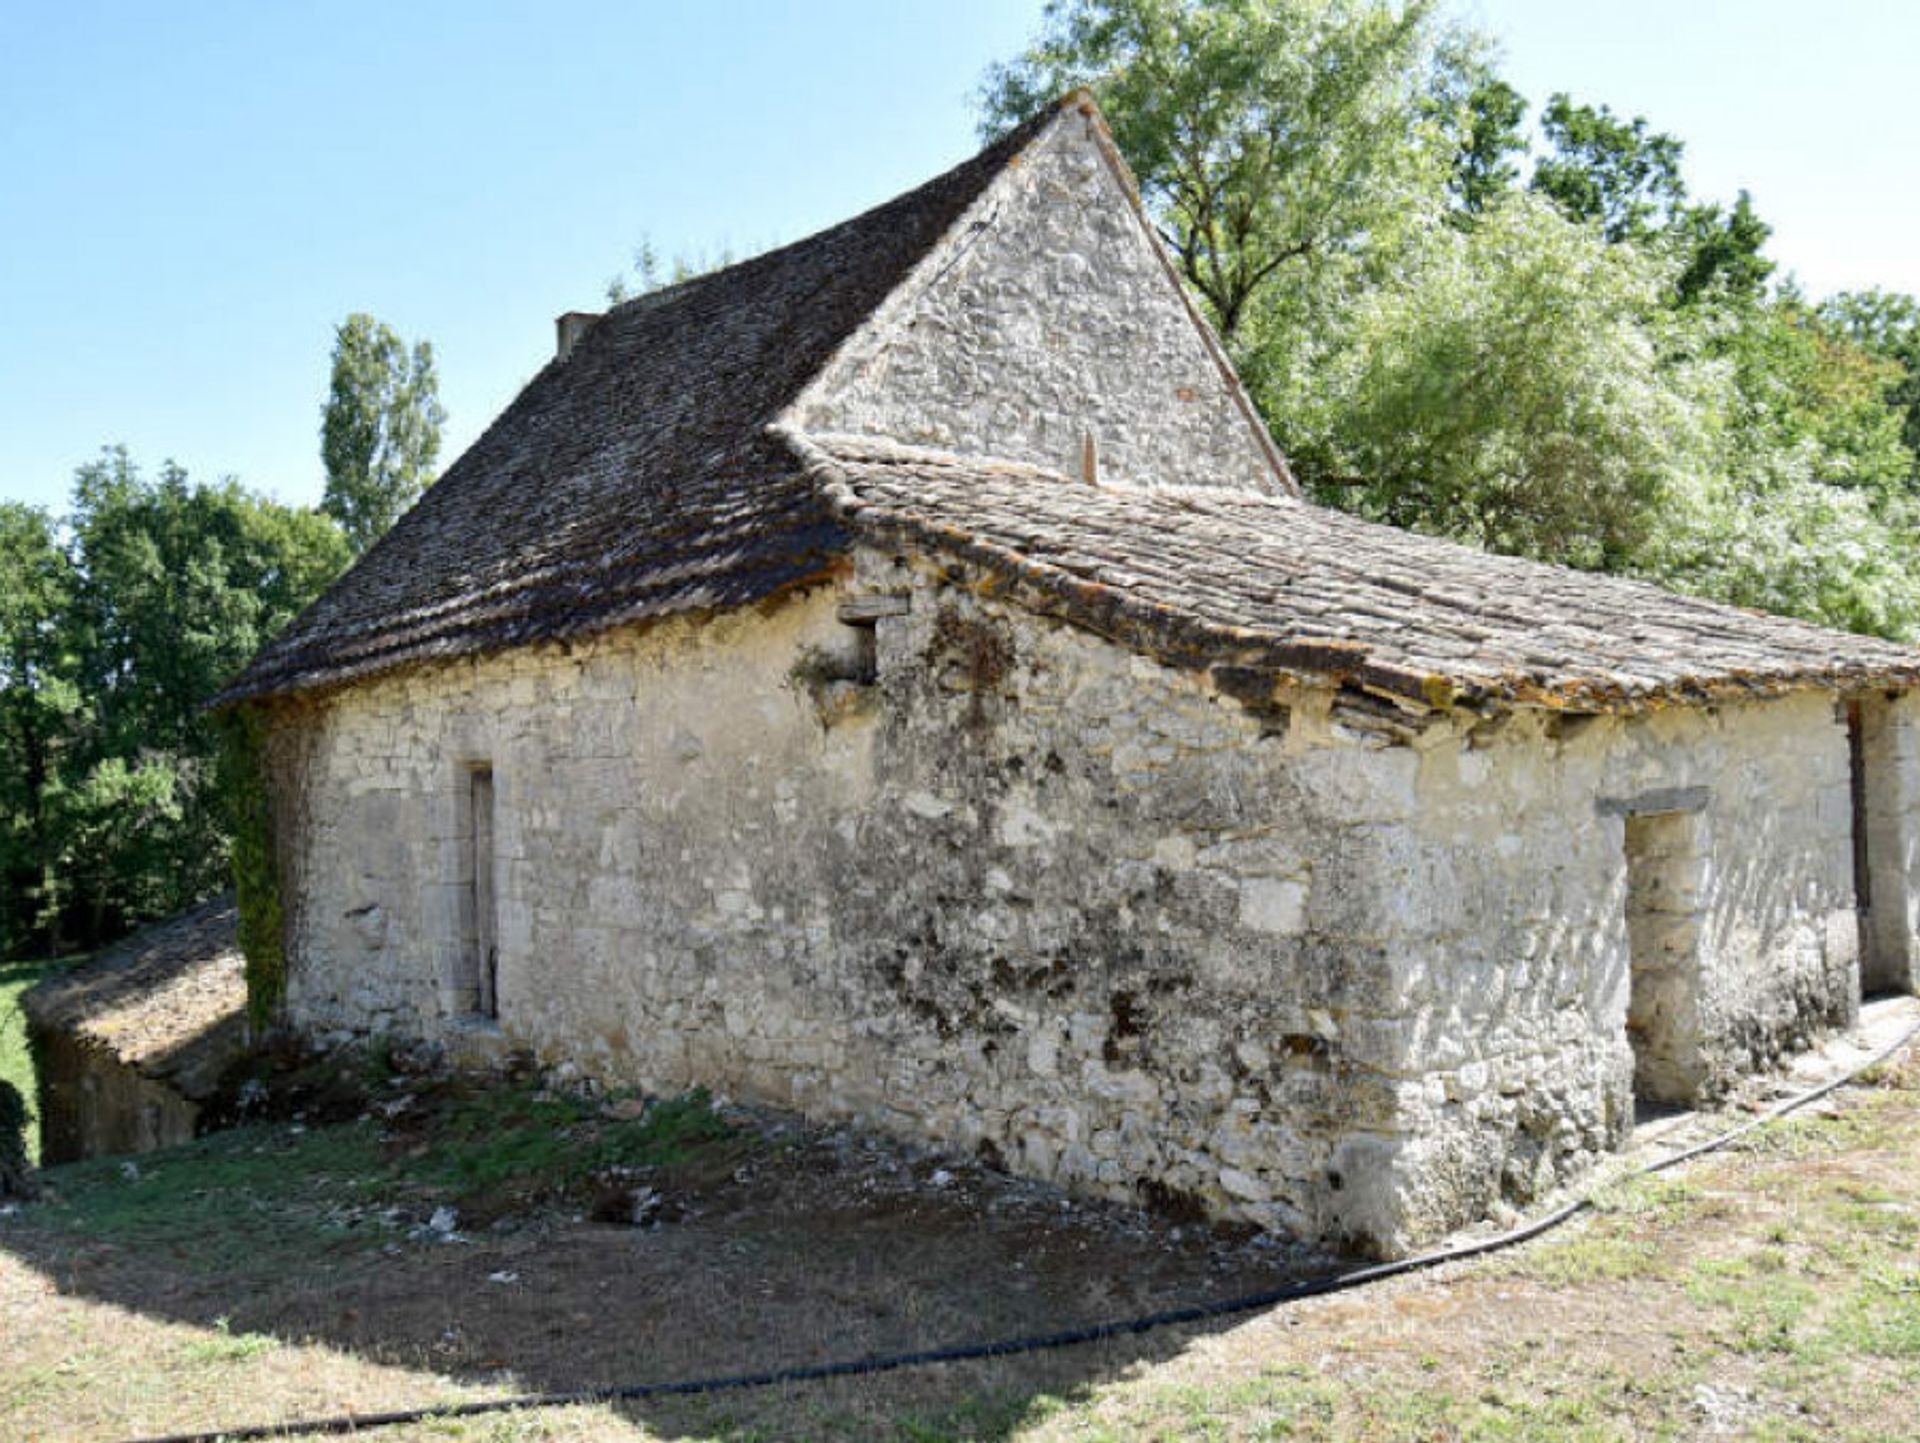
[1033, 1342]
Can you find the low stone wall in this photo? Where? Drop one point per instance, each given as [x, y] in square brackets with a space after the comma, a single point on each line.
[980, 878]
[131, 1044]
[94, 1105]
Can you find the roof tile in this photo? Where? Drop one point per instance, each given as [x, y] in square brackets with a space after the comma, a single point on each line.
[634, 478]
[1421, 610]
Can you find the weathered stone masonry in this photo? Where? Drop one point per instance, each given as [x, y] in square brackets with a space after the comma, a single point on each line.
[768, 700]
[1028, 893]
[1054, 323]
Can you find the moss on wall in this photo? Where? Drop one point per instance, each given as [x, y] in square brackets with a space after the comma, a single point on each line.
[256, 870]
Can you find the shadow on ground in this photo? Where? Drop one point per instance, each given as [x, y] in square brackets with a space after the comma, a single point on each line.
[802, 1249]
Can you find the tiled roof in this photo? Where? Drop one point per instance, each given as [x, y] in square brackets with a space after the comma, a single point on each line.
[633, 479]
[640, 477]
[169, 1001]
[1235, 578]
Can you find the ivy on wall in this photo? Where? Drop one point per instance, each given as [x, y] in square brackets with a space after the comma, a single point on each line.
[256, 870]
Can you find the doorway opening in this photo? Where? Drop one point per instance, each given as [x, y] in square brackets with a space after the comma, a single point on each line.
[1880, 886]
[1665, 913]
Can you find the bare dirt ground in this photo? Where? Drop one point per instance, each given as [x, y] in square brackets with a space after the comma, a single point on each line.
[293, 1268]
[770, 1245]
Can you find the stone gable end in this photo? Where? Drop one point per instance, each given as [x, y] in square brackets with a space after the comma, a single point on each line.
[1049, 323]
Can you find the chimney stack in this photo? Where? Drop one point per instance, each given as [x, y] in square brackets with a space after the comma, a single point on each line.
[570, 330]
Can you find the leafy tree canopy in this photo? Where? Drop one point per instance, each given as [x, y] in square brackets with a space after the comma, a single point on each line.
[1887, 324]
[39, 698]
[1615, 173]
[1722, 253]
[1489, 141]
[1506, 388]
[380, 429]
[115, 629]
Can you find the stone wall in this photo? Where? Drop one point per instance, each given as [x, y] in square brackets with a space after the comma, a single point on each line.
[653, 789]
[1052, 319]
[1514, 938]
[981, 878]
[92, 1104]
[132, 1044]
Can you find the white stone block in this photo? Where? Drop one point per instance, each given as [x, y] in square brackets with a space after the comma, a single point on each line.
[1175, 853]
[1043, 1054]
[1021, 825]
[1274, 906]
[925, 804]
[1243, 1185]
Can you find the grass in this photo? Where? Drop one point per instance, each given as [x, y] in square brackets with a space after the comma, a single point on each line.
[1769, 1292]
[1772, 1292]
[497, 1141]
[270, 1196]
[283, 1209]
[16, 1062]
[226, 1346]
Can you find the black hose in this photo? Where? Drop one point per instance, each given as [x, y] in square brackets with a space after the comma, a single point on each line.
[1033, 1342]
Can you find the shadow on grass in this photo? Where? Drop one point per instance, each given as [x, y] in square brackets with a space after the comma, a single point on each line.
[780, 1250]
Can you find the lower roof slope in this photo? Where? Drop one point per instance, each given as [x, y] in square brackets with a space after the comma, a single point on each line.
[634, 478]
[1237, 578]
[169, 1001]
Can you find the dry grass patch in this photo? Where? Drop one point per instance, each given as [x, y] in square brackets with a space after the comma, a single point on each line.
[1770, 1292]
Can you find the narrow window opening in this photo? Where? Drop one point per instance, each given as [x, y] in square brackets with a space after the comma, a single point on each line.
[864, 664]
[483, 945]
[861, 615]
[1665, 910]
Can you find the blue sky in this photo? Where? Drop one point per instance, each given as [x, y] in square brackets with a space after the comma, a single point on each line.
[192, 194]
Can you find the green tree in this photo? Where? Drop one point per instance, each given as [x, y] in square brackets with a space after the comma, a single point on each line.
[38, 703]
[1806, 387]
[1613, 173]
[1808, 509]
[172, 587]
[1887, 324]
[1506, 389]
[1265, 134]
[1625, 178]
[1488, 141]
[1722, 250]
[380, 429]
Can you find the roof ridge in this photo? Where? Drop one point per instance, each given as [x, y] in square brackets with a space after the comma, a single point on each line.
[1013, 140]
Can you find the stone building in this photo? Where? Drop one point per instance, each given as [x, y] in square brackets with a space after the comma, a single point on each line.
[896, 677]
